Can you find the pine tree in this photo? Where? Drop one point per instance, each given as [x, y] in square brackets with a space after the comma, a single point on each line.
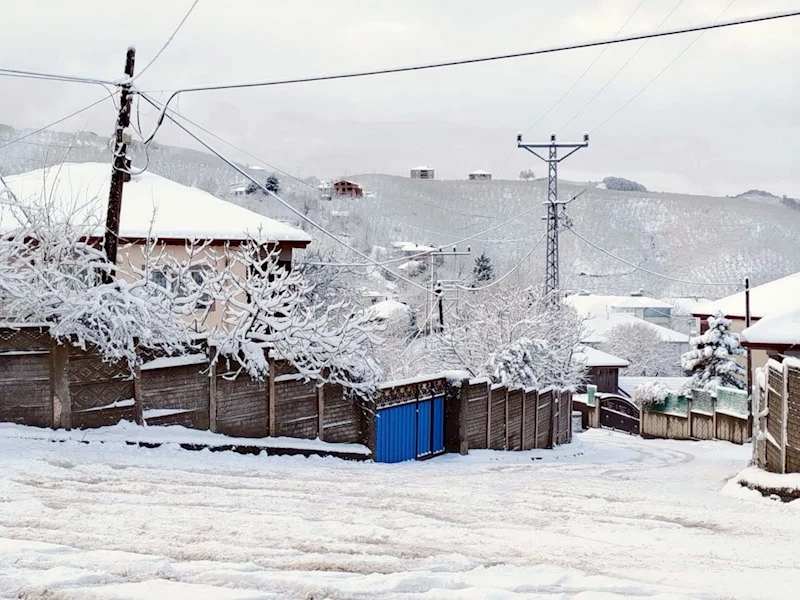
[484, 270]
[711, 359]
[273, 185]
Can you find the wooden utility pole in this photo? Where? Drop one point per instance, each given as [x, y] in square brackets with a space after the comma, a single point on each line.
[120, 169]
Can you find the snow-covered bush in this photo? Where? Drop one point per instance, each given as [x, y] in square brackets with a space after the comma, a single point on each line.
[644, 348]
[652, 393]
[483, 270]
[623, 185]
[711, 359]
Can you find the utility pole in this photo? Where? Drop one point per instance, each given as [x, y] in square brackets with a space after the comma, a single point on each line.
[435, 292]
[120, 171]
[551, 281]
[747, 320]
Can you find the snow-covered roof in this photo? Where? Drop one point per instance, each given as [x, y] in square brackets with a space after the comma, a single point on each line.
[769, 299]
[151, 205]
[422, 169]
[629, 384]
[389, 309]
[598, 327]
[412, 247]
[592, 304]
[684, 306]
[350, 181]
[781, 330]
[480, 172]
[591, 357]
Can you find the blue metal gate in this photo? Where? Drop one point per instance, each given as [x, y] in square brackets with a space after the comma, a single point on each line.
[410, 431]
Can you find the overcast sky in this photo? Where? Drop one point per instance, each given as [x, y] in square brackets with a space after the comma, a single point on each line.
[722, 119]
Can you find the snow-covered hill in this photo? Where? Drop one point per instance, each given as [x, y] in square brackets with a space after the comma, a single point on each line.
[691, 238]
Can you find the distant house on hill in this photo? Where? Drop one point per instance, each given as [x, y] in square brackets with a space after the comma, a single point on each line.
[423, 173]
[239, 189]
[345, 187]
[479, 175]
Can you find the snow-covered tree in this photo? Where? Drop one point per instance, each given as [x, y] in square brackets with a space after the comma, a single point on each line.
[644, 348]
[711, 359]
[623, 185]
[269, 314]
[483, 270]
[527, 174]
[514, 335]
[49, 274]
[273, 184]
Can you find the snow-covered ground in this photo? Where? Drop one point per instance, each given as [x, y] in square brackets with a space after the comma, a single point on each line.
[607, 517]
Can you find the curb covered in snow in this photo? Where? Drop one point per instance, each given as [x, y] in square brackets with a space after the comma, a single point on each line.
[783, 486]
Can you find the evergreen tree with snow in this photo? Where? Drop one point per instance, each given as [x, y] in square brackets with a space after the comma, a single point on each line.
[711, 359]
[484, 270]
[273, 185]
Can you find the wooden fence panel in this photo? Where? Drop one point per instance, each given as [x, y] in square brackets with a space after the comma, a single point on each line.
[101, 393]
[25, 387]
[774, 420]
[544, 418]
[477, 414]
[242, 407]
[295, 407]
[664, 425]
[341, 416]
[793, 419]
[514, 424]
[564, 417]
[530, 407]
[497, 427]
[177, 395]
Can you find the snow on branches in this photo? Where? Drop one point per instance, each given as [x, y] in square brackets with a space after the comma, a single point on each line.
[268, 312]
[50, 275]
[651, 393]
[645, 350]
[515, 336]
[711, 359]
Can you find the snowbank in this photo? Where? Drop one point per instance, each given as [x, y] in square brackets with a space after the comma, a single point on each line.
[126, 432]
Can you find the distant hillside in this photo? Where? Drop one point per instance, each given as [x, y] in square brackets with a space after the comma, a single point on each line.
[692, 238]
[769, 198]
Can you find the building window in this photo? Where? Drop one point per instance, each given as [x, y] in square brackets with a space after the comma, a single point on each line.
[199, 276]
[656, 313]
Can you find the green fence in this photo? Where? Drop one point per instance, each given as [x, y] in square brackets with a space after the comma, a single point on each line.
[591, 393]
[732, 401]
[673, 405]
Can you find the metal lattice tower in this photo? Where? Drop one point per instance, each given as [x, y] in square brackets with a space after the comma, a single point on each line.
[551, 280]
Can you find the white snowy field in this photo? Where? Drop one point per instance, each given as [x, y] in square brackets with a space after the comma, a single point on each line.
[607, 517]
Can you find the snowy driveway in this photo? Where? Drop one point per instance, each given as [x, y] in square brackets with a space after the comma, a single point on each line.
[608, 517]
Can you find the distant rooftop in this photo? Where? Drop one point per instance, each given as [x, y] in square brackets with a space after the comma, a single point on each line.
[773, 298]
[422, 169]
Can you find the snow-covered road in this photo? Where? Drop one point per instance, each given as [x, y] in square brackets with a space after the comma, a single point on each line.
[608, 517]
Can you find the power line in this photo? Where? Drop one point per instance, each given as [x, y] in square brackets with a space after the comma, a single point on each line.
[659, 74]
[310, 221]
[622, 68]
[586, 70]
[169, 40]
[52, 76]
[471, 61]
[640, 268]
[61, 120]
[509, 272]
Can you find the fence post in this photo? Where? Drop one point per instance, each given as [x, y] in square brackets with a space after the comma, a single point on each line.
[137, 395]
[61, 401]
[488, 414]
[505, 428]
[784, 410]
[321, 412]
[271, 397]
[212, 397]
[522, 421]
[553, 416]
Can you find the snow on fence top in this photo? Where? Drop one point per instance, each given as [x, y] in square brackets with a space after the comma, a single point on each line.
[79, 192]
[781, 329]
[772, 298]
